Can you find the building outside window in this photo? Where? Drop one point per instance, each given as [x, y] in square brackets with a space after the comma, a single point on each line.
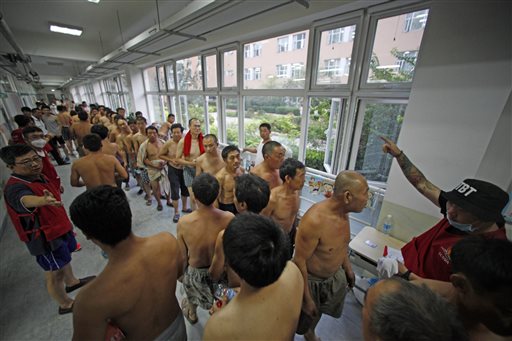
[282, 70]
[298, 41]
[415, 20]
[282, 44]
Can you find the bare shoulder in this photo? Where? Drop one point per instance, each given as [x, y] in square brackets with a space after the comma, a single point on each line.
[257, 170]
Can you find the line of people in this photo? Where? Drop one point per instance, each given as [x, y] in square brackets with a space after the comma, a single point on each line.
[455, 282]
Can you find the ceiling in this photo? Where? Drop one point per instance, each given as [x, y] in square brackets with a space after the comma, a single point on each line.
[137, 32]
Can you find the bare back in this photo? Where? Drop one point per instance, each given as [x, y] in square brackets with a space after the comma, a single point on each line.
[227, 185]
[329, 233]
[269, 313]
[96, 169]
[197, 233]
[64, 118]
[80, 129]
[109, 148]
[136, 291]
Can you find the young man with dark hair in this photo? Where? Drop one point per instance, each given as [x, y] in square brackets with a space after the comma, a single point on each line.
[17, 134]
[136, 289]
[284, 202]
[79, 130]
[149, 159]
[175, 171]
[269, 302]
[165, 129]
[211, 161]
[37, 117]
[265, 131]
[35, 209]
[137, 139]
[26, 111]
[189, 149]
[472, 208]
[321, 249]
[396, 310]
[273, 157]
[54, 129]
[226, 177]
[96, 168]
[251, 195]
[197, 233]
[65, 124]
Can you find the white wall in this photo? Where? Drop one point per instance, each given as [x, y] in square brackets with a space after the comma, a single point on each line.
[457, 123]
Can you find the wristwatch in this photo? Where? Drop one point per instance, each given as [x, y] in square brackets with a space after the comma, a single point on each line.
[406, 275]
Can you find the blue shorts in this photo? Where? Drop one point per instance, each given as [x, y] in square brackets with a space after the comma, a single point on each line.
[58, 258]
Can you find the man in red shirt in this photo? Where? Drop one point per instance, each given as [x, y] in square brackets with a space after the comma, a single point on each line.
[472, 208]
[22, 121]
[35, 209]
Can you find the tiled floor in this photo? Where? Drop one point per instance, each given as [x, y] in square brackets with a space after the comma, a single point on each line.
[28, 313]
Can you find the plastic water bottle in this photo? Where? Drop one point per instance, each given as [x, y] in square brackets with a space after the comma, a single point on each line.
[387, 226]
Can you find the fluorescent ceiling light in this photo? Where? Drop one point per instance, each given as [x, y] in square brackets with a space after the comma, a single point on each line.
[74, 31]
[95, 1]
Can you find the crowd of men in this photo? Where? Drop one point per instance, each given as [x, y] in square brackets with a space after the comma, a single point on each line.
[240, 251]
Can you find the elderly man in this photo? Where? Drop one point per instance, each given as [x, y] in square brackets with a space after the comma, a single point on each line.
[268, 170]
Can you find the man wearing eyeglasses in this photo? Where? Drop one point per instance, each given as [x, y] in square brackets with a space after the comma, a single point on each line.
[34, 206]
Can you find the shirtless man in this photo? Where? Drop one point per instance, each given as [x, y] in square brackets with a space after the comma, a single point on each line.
[175, 171]
[122, 144]
[268, 170]
[96, 168]
[65, 122]
[269, 302]
[197, 233]
[107, 147]
[226, 177]
[321, 248]
[251, 195]
[284, 202]
[79, 130]
[136, 289]
[265, 131]
[165, 129]
[148, 156]
[132, 155]
[211, 161]
[189, 149]
[137, 139]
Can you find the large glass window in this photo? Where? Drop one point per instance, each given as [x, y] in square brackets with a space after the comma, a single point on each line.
[211, 71]
[170, 76]
[334, 57]
[323, 120]
[230, 105]
[283, 114]
[161, 78]
[150, 79]
[229, 69]
[189, 74]
[377, 119]
[388, 57]
[213, 116]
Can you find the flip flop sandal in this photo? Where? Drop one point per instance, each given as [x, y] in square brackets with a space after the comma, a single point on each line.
[159, 208]
[175, 218]
[185, 309]
[149, 202]
[188, 210]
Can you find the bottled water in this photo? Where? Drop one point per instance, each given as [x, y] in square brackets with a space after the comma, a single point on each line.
[387, 226]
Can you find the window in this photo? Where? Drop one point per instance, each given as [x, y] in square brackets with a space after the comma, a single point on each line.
[247, 74]
[386, 63]
[298, 41]
[282, 44]
[189, 74]
[229, 61]
[324, 115]
[161, 78]
[376, 119]
[415, 21]
[150, 79]
[407, 61]
[230, 105]
[211, 71]
[257, 73]
[298, 72]
[170, 76]
[334, 57]
[283, 114]
[213, 117]
[191, 106]
[282, 70]
[256, 50]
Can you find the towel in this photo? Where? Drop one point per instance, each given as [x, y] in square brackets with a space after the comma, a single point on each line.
[187, 144]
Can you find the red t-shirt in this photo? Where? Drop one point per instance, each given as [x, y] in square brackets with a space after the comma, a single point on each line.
[50, 172]
[428, 255]
[17, 136]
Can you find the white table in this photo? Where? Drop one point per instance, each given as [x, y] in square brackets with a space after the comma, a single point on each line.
[369, 244]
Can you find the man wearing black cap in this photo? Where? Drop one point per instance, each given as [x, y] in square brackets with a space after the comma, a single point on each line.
[472, 208]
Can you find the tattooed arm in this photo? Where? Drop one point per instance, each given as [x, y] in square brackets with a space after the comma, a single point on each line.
[413, 174]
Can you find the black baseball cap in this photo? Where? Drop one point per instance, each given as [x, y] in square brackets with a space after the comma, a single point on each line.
[481, 198]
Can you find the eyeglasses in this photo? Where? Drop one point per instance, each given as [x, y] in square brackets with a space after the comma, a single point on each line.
[28, 163]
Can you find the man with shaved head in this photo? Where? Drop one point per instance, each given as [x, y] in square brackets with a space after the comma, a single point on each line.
[273, 158]
[321, 249]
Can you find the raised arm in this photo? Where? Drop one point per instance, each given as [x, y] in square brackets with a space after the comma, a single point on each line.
[306, 242]
[411, 172]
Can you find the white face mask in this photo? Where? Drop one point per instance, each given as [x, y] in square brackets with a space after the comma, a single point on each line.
[461, 227]
[39, 143]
